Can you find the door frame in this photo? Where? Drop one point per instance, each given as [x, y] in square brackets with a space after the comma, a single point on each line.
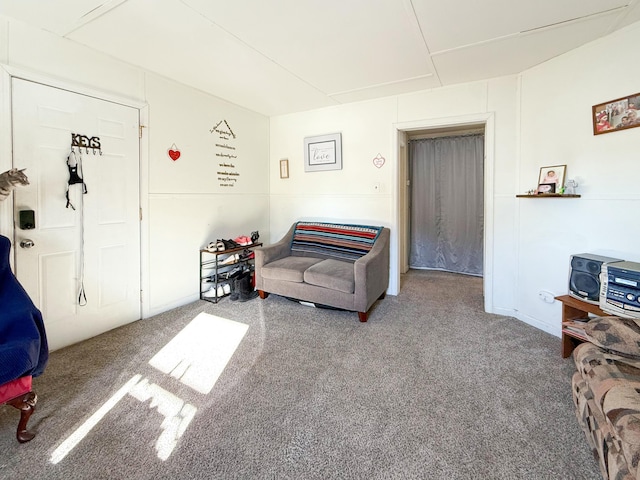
[7, 221]
[400, 223]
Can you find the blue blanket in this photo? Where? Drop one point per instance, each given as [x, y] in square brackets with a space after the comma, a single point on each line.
[23, 340]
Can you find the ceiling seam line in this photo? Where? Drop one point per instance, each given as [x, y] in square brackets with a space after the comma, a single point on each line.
[522, 33]
[572, 20]
[254, 49]
[383, 84]
[424, 41]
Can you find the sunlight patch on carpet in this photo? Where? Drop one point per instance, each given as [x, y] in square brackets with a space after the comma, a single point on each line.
[199, 353]
[176, 412]
[75, 438]
[196, 356]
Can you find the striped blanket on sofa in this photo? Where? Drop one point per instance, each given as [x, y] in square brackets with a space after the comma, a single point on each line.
[343, 242]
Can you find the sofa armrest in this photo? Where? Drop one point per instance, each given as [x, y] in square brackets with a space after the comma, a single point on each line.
[371, 273]
[271, 253]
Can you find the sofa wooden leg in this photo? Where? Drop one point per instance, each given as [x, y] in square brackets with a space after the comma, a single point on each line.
[263, 294]
[26, 404]
[362, 316]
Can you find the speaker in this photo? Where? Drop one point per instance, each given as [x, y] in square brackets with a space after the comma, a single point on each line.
[584, 276]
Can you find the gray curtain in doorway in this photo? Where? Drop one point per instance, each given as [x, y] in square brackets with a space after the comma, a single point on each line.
[447, 203]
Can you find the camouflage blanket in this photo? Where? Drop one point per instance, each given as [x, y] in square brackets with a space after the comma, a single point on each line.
[606, 395]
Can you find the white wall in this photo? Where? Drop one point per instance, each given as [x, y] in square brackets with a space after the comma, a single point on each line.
[540, 117]
[348, 195]
[187, 206]
[369, 128]
[556, 129]
[184, 206]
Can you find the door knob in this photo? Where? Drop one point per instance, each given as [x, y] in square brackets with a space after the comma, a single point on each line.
[26, 243]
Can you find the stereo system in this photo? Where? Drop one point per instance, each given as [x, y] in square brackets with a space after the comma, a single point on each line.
[584, 276]
[620, 289]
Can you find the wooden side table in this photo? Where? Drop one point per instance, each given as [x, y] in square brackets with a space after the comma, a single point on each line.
[575, 309]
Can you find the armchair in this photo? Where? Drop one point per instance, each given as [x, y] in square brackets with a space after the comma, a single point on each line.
[23, 344]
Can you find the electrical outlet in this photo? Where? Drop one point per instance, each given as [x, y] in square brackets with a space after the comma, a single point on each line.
[546, 296]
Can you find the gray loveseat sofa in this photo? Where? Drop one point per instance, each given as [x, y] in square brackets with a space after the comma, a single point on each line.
[329, 264]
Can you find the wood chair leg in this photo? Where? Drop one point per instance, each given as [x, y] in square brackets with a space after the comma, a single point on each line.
[26, 404]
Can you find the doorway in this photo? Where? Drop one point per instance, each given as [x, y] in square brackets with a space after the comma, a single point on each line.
[439, 126]
[446, 192]
[79, 260]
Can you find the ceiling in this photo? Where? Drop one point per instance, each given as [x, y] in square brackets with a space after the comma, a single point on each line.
[284, 56]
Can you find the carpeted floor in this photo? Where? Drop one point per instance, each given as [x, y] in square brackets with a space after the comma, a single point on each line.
[429, 388]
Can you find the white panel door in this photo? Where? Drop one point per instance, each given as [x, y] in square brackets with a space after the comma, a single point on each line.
[95, 246]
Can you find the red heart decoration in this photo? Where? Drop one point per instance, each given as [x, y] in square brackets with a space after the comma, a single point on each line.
[174, 154]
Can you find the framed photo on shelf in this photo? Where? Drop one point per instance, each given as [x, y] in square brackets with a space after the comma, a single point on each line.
[546, 188]
[615, 115]
[323, 152]
[551, 179]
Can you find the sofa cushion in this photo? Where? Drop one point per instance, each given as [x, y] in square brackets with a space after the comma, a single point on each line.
[333, 274]
[605, 370]
[594, 425]
[289, 269]
[15, 388]
[605, 391]
[622, 408]
[616, 334]
[343, 242]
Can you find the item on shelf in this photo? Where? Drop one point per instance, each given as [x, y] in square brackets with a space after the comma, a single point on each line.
[575, 328]
[247, 255]
[233, 273]
[243, 240]
[574, 309]
[230, 244]
[215, 246]
[242, 288]
[222, 245]
[227, 272]
[570, 187]
[255, 236]
[220, 291]
[230, 260]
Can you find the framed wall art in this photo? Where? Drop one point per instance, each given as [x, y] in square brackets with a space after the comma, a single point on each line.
[284, 168]
[551, 179]
[323, 152]
[616, 115]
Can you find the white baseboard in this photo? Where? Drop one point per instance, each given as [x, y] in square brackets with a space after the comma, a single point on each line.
[554, 330]
[158, 309]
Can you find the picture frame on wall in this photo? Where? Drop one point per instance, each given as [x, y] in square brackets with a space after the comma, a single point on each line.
[323, 152]
[551, 179]
[615, 115]
[284, 168]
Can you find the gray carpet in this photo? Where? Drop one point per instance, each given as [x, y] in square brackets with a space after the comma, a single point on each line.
[430, 387]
